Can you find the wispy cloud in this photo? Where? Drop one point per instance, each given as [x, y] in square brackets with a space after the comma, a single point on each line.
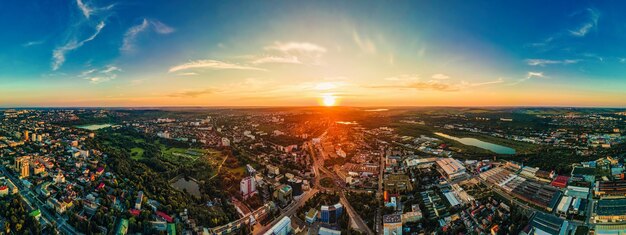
[84, 8]
[292, 53]
[58, 55]
[211, 64]
[146, 24]
[440, 76]
[101, 75]
[33, 43]
[592, 21]
[529, 75]
[544, 62]
[535, 75]
[289, 47]
[188, 74]
[193, 93]
[365, 44]
[88, 10]
[277, 60]
[434, 85]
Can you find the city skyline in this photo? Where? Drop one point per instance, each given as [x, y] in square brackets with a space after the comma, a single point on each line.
[197, 53]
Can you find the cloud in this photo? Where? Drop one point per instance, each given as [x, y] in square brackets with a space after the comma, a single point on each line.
[535, 75]
[97, 76]
[404, 77]
[146, 24]
[88, 11]
[592, 21]
[440, 76]
[212, 64]
[58, 55]
[277, 60]
[33, 43]
[438, 85]
[84, 8]
[302, 47]
[529, 75]
[364, 44]
[193, 93]
[543, 62]
[188, 74]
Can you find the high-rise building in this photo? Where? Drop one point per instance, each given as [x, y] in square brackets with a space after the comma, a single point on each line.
[25, 136]
[330, 214]
[248, 187]
[33, 137]
[22, 166]
[25, 169]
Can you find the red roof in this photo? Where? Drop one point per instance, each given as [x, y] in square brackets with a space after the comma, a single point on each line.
[100, 169]
[134, 212]
[101, 185]
[3, 187]
[164, 216]
[560, 181]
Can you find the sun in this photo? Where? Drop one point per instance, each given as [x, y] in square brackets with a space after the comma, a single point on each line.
[329, 100]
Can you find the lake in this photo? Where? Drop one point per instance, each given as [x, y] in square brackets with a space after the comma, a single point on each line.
[191, 186]
[94, 127]
[496, 148]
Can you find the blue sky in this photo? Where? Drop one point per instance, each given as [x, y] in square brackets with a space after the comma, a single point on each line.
[165, 53]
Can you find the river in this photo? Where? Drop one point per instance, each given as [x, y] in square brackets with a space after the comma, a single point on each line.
[496, 148]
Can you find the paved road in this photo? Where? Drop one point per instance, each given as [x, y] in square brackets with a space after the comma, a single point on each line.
[34, 201]
[288, 211]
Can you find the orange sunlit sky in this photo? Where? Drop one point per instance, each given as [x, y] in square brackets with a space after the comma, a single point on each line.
[296, 53]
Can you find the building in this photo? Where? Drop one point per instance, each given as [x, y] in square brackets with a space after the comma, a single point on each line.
[139, 200]
[4, 190]
[22, 165]
[24, 168]
[610, 189]
[392, 224]
[610, 211]
[542, 223]
[284, 194]
[330, 214]
[311, 216]
[328, 231]
[283, 227]
[560, 181]
[451, 168]
[247, 187]
[25, 136]
[225, 142]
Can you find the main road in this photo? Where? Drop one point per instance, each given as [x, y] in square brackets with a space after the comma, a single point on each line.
[29, 196]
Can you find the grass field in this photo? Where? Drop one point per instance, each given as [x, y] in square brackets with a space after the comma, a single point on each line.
[136, 153]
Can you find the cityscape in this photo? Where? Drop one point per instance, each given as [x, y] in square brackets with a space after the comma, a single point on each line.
[312, 117]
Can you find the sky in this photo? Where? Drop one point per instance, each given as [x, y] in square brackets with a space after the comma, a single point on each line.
[102, 53]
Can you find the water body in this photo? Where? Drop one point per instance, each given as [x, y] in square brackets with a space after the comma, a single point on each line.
[94, 127]
[496, 148]
[191, 186]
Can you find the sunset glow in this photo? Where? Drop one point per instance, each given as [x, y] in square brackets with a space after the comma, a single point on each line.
[329, 100]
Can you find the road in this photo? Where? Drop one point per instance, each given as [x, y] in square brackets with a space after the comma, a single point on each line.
[29, 196]
[288, 211]
[356, 218]
[319, 170]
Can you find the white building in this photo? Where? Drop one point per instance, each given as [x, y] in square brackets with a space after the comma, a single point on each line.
[247, 187]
